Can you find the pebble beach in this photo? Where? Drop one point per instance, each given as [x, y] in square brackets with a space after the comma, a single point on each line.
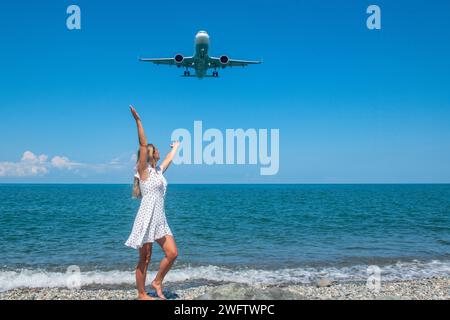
[423, 289]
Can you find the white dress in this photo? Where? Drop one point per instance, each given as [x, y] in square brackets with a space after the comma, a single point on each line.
[150, 223]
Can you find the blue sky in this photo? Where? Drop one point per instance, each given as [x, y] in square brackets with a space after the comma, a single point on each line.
[352, 105]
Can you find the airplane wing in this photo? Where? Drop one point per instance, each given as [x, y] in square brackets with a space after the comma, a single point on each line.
[215, 63]
[187, 61]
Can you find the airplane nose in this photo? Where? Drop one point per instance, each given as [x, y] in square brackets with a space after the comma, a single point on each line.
[201, 38]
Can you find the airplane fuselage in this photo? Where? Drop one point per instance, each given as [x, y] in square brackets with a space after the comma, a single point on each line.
[201, 59]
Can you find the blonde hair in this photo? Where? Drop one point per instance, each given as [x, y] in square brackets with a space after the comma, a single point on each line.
[151, 160]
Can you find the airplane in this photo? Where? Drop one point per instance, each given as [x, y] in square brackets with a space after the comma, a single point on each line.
[201, 61]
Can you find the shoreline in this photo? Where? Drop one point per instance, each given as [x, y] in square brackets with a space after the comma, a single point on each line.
[435, 288]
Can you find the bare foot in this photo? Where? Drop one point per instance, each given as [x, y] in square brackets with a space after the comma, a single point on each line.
[158, 287]
[145, 296]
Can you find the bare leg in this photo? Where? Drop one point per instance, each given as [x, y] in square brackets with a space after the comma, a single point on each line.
[145, 254]
[170, 249]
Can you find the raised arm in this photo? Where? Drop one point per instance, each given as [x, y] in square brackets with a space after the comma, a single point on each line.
[168, 160]
[142, 161]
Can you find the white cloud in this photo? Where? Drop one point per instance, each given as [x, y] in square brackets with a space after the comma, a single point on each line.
[29, 156]
[116, 162]
[31, 165]
[65, 163]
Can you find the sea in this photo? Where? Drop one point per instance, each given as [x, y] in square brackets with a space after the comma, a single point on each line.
[250, 234]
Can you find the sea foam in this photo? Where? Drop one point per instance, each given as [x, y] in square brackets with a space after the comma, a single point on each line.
[38, 278]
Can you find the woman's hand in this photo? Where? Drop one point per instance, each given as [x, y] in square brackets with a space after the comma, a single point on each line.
[141, 134]
[175, 144]
[134, 113]
[168, 160]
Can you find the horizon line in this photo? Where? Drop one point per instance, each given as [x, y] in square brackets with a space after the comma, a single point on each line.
[232, 183]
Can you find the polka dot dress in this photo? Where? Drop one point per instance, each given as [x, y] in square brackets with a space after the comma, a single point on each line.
[150, 223]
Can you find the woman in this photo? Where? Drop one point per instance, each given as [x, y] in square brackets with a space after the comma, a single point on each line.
[150, 224]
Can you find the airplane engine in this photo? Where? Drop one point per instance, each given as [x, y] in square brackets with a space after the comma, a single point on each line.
[179, 59]
[224, 60]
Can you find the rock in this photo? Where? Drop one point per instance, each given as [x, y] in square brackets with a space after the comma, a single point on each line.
[394, 298]
[324, 282]
[237, 291]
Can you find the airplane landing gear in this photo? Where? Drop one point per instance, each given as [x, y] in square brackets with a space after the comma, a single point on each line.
[187, 73]
[215, 74]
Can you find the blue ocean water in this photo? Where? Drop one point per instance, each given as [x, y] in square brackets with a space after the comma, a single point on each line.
[243, 233]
